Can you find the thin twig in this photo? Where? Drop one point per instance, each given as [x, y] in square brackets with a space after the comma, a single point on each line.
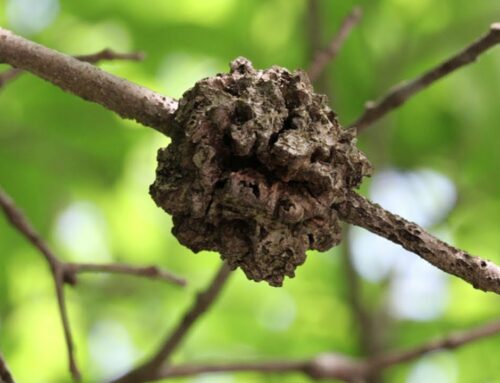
[324, 56]
[66, 272]
[5, 375]
[127, 99]
[275, 366]
[314, 23]
[58, 273]
[480, 273]
[204, 300]
[151, 272]
[402, 92]
[9, 75]
[19, 221]
[106, 54]
[335, 366]
[450, 342]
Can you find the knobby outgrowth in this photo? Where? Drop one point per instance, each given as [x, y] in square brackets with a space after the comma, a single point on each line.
[257, 161]
[259, 168]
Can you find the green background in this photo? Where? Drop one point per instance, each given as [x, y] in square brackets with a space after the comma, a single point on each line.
[81, 175]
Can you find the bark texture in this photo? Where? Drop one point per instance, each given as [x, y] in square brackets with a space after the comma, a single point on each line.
[481, 273]
[257, 159]
[127, 99]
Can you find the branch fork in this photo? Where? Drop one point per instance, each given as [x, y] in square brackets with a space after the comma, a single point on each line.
[66, 273]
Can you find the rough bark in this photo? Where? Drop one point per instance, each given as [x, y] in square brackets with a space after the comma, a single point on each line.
[482, 274]
[256, 160]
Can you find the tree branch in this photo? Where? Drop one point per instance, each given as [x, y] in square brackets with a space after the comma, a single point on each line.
[127, 99]
[480, 273]
[314, 24]
[203, 302]
[151, 272]
[5, 375]
[276, 366]
[108, 54]
[24, 227]
[402, 92]
[105, 54]
[450, 342]
[9, 75]
[335, 366]
[324, 56]
[66, 272]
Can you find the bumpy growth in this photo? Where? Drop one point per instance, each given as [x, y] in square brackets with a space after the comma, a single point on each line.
[256, 162]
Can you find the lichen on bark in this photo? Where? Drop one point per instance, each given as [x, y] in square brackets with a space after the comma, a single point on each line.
[256, 162]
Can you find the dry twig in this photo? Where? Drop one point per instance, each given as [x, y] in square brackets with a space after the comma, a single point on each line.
[324, 56]
[450, 342]
[150, 369]
[17, 220]
[127, 99]
[335, 366]
[151, 272]
[480, 273]
[106, 54]
[66, 272]
[314, 24]
[402, 92]
[9, 75]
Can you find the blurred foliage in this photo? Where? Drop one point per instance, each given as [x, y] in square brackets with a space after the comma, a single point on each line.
[81, 174]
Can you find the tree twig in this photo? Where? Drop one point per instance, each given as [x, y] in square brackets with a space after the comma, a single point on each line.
[480, 273]
[402, 92]
[127, 99]
[18, 220]
[274, 366]
[5, 375]
[450, 342]
[9, 75]
[335, 366]
[314, 32]
[106, 54]
[323, 57]
[204, 300]
[151, 272]
[66, 272]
